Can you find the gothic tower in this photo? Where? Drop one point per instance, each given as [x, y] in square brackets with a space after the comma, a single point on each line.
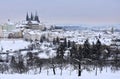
[32, 17]
[27, 17]
[37, 18]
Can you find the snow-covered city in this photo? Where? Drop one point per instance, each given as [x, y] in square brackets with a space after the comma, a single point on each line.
[67, 44]
[30, 48]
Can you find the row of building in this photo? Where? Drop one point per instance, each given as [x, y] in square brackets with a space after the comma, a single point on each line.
[15, 30]
[33, 29]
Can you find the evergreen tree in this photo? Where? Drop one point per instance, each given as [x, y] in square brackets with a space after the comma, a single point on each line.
[41, 39]
[65, 43]
[30, 59]
[57, 40]
[77, 57]
[13, 60]
[98, 48]
[69, 43]
[13, 64]
[60, 51]
[86, 49]
[80, 53]
[73, 51]
[21, 65]
[98, 44]
[93, 51]
[54, 41]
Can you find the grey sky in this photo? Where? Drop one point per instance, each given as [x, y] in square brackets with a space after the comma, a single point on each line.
[63, 11]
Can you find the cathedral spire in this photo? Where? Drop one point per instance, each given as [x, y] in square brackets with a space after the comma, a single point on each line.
[32, 17]
[27, 17]
[36, 17]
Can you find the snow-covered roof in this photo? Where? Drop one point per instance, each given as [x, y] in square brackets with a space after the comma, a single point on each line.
[34, 22]
[20, 25]
[10, 23]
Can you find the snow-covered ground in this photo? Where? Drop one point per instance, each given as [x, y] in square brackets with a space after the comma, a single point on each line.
[77, 36]
[12, 44]
[105, 74]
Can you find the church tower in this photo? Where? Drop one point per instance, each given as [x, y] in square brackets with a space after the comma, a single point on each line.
[27, 17]
[37, 18]
[32, 18]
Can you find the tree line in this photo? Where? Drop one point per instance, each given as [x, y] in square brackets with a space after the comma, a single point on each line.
[67, 53]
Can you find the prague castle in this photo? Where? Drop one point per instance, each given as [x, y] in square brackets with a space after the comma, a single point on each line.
[33, 22]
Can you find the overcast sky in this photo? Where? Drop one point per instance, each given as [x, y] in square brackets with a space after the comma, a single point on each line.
[63, 11]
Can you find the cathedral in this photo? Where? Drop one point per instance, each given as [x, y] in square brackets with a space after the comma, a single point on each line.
[32, 18]
[33, 22]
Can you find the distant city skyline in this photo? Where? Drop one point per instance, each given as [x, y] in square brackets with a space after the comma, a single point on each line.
[62, 11]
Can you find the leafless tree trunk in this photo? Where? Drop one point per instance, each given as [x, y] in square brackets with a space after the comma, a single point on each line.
[79, 69]
[54, 70]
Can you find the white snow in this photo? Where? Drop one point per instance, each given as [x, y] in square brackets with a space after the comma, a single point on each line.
[105, 74]
[12, 44]
[78, 36]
